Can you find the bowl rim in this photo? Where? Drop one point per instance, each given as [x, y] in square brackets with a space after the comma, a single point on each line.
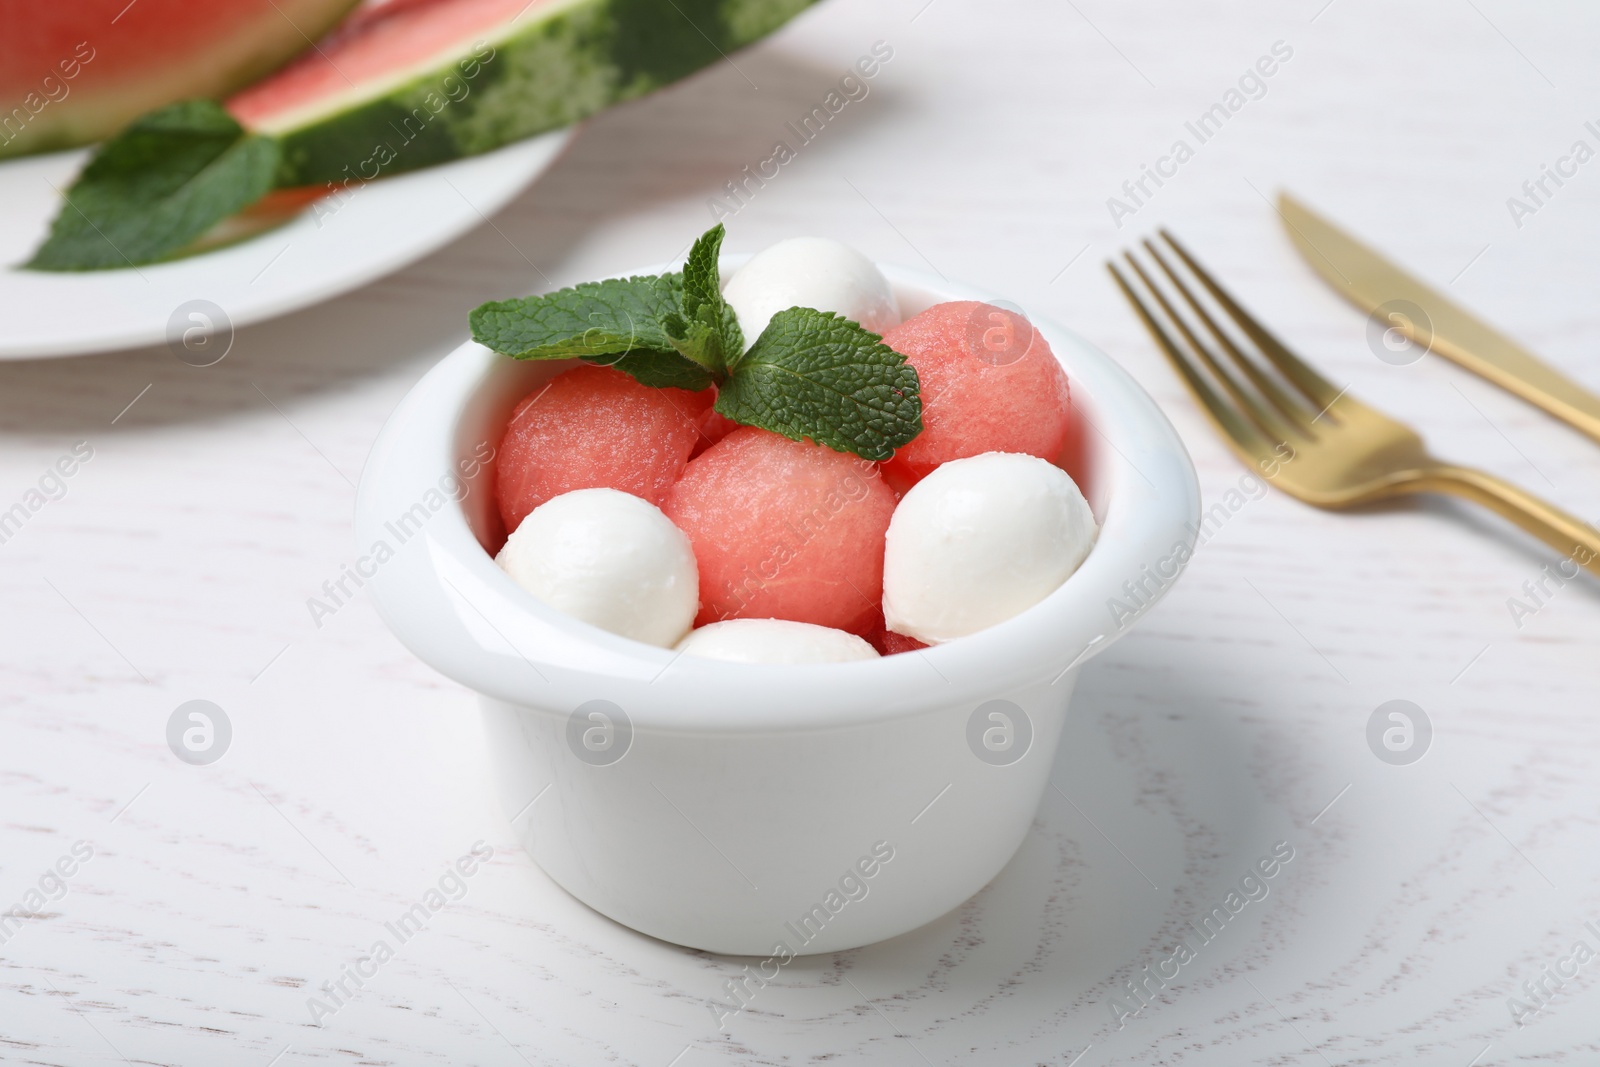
[445, 598]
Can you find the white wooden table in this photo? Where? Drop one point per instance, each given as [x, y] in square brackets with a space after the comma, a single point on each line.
[177, 566]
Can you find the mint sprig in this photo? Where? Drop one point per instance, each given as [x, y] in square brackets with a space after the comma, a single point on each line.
[707, 331]
[156, 187]
[811, 374]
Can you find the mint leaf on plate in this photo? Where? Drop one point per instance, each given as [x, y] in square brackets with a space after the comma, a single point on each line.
[815, 374]
[156, 187]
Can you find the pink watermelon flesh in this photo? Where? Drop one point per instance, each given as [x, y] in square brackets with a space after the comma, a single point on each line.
[594, 427]
[77, 71]
[889, 643]
[714, 426]
[377, 43]
[784, 530]
[989, 384]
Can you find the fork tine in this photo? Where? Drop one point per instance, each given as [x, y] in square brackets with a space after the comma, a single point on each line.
[1239, 431]
[1292, 409]
[1316, 388]
[1268, 423]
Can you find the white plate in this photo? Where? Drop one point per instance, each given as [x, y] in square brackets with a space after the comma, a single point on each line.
[375, 230]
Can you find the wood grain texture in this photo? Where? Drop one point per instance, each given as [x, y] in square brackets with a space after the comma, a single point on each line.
[178, 564]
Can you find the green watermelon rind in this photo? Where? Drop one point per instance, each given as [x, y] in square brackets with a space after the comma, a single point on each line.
[567, 61]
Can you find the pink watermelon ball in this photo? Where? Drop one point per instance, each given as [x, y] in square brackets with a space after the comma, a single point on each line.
[784, 530]
[889, 643]
[714, 426]
[595, 428]
[989, 384]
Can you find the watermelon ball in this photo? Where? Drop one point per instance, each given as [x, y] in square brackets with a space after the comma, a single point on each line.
[989, 383]
[714, 426]
[775, 641]
[595, 427]
[810, 272]
[610, 559]
[980, 540]
[889, 643]
[784, 530]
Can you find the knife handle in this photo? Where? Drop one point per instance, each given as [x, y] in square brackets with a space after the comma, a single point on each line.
[1576, 540]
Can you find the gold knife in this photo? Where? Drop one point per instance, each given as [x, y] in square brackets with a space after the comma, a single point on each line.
[1374, 284]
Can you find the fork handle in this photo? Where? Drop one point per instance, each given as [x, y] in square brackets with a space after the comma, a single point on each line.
[1569, 535]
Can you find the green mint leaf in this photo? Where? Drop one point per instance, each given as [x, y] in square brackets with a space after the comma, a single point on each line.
[814, 374]
[698, 342]
[707, 331]
[704, 341]
[702, 283]
[732, 334]
[606, 318]
[659, 370]
[156, 187]
[615, 323]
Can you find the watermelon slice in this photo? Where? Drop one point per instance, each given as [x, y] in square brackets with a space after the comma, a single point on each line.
[74, 72]
[402, 84]
[410, 83]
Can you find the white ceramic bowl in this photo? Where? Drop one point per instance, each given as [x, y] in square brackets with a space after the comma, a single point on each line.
[743, 808]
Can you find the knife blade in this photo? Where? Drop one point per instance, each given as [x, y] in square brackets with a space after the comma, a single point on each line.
[1375, 284]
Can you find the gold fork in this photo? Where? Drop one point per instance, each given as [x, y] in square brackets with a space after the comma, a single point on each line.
[1314, 441]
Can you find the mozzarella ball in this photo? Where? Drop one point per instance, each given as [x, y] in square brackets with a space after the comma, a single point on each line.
[610, 559]
[810, 272]
[775, 641]
[980, 540]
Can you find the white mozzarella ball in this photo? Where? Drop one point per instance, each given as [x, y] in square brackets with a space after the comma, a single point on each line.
[980, 540]
[810, 272]
[610, 559]
[775, 641]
